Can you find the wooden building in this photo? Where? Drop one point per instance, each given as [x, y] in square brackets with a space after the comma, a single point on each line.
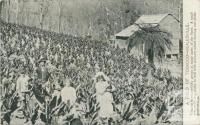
[166, 22]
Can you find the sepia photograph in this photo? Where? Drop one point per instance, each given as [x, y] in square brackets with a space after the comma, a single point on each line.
[91, 62]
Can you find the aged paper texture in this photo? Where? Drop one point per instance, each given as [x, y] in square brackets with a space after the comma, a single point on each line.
[99, 62]
[191, 62]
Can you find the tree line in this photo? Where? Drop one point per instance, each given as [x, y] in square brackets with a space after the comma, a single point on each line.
[97, 18]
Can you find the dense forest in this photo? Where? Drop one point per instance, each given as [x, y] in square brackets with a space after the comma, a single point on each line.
[97, 18]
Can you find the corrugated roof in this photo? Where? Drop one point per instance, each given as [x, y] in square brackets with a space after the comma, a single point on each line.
[128, 31]
[144, 21]
[151, 19]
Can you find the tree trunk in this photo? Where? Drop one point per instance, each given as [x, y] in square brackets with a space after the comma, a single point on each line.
[60, 21]
[42, 22]
[150, 56]
[8, 11]
[1, 7]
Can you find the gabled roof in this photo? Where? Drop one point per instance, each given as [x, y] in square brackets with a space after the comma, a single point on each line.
[151, 19]
[144, 20]
[128, 31]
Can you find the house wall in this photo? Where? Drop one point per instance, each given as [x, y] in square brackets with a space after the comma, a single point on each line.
[121, 43]
[136, 51]
[171, 25]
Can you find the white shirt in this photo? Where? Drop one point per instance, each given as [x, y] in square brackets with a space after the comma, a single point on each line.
[105, 99]
[101, 87]
[22, 83]
[105, 103]
[68, 94]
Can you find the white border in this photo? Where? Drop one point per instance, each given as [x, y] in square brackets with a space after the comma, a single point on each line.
[191, 60]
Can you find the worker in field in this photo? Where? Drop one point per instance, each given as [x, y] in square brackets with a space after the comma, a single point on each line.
[68, 93]
[104, 97]
[22, 84]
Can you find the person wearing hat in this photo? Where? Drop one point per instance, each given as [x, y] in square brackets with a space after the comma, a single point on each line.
[42, 71]
[104, 97]
[22, 88]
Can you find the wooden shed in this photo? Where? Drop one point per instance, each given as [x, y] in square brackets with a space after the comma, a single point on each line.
[166, 22]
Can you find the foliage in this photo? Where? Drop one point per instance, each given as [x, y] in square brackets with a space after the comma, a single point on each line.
[137, 92]
[91, 17]
[90, 107]
[155, 41]
[48, 106]
[9, 105]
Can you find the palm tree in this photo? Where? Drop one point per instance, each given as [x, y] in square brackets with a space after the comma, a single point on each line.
[155, 41]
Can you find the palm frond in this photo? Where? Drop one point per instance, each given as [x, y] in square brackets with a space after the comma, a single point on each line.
[156, 41]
